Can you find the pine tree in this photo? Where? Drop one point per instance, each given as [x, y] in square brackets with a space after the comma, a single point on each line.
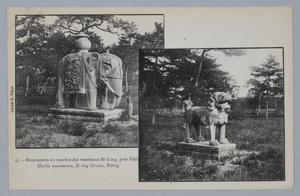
[268, 80]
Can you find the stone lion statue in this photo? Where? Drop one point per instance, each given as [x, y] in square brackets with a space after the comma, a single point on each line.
[214, 116]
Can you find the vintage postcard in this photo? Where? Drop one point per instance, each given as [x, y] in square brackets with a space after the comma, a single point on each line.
[150, 98]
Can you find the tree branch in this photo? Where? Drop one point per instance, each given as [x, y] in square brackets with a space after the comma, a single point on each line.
[109, 31]
[70, 30]
[82, 24]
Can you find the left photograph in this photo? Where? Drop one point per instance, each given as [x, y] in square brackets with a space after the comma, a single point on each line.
[76, 78]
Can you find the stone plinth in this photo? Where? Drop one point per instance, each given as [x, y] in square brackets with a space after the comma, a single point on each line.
[214, 152]
[81, 114]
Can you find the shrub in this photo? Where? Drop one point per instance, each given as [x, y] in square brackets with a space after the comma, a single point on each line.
[112, 128]
[81, 142]
[34, 120]
[73, 128]
[21, 133]
[49, 119]
[65, 126]
[78, 129]
[90, 133]
[123, 117]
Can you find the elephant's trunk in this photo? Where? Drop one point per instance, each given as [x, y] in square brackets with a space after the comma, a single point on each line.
[111, 89]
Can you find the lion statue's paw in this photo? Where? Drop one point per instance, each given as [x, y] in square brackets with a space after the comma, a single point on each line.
[190, 140]
[201, 139]
[214, 143]
[224, 141]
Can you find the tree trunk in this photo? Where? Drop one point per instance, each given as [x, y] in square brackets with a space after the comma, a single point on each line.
[156, 97]
[171, 112]
[153, 117]
[27, 86]
[126, 78]
[275, 103]
[268, 93]
[259, 103]
[199, 69]
[267, 109]
[154, 110]
[43, 88]
[267, 101]
[198, 73]
[126, 84]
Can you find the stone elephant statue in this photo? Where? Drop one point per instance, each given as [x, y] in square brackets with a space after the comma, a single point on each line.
[214, 116]
[92, 74]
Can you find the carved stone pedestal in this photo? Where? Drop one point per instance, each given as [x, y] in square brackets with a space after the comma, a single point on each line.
[213, 152]
[78, 114]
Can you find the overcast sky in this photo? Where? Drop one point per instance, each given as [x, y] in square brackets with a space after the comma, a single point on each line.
[239, 66]
[145, 23]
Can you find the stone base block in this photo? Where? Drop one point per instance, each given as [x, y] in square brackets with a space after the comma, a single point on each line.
[214, 152]
[81, 114]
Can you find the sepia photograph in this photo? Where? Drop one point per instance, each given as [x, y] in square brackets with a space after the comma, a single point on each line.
[212, 114]
[77, 78]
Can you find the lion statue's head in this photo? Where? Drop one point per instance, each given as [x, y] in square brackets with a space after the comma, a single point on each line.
[186, 104]
[222, 99]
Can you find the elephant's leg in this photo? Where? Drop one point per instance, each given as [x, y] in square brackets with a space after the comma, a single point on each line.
[118, 101]
[73, 100]
[223, 140]
[91, 89]
[60, 100]
[91, 95]
[103, 98]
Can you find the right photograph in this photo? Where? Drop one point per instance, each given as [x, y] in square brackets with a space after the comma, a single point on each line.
[211, 114]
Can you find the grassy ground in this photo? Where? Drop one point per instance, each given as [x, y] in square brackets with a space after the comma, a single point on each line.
[259, 155]
[34, 129]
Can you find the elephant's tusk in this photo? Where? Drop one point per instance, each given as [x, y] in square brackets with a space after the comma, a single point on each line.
[110, 88]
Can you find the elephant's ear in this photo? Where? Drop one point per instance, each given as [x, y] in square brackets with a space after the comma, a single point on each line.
[111, 60]
[91, 60]
[107, 60]
[111, 66]
[120, 63]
